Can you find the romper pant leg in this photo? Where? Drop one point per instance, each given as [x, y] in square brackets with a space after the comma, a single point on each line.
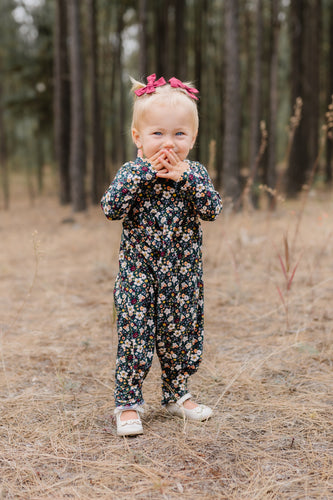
[165, 307]
[179, 334]
[135, 305]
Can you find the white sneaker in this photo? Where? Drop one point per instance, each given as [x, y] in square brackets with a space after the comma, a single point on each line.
[131, 427]
[199, 413]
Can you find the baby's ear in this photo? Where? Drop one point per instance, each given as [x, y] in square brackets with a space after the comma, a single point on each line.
[136, 138]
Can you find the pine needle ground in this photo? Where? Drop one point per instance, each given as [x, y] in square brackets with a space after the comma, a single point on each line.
[268, 377]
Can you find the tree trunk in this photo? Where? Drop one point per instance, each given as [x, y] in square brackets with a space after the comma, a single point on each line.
[98, 167]
[199, 61]
[220, 92]
[311, 85]
[121, 148]
[295, 173]
[62, 101]
[256, 91]
[180, 40]
[3, 156]
[40, 158]
[329, 140]
[143, 38]
[161, 40]
[305, 40]
[114, 100]
[256, 99]
[77, 147]
[270, 179]
[117, 118]
[231, 145]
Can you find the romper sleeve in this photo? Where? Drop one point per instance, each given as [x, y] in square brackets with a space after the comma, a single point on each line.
[196, 186]
[130, 179]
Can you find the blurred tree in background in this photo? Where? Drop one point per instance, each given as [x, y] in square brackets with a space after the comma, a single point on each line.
[26, 57]
[65, 101]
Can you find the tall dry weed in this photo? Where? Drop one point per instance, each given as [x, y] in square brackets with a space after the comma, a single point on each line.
[288, 272]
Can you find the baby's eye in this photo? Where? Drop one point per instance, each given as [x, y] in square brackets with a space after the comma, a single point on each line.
[157, 133]
[179, 133]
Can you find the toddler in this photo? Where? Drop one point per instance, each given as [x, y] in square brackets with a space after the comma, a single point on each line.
[159, 289]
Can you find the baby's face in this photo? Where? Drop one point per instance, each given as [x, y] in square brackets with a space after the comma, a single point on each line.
[166, 126]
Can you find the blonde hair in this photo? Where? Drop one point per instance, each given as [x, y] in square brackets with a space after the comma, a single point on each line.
[162, 94]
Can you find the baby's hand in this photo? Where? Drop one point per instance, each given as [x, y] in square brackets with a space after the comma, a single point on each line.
[156, 163]
[169, 165]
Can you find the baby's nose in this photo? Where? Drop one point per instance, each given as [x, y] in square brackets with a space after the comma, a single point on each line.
[168, 143]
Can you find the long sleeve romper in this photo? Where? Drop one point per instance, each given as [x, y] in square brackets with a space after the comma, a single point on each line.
[159, 289]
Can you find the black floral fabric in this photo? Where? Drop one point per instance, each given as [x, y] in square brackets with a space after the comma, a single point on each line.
[159, 289]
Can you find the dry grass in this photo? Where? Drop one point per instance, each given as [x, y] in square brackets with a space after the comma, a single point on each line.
[270, 379]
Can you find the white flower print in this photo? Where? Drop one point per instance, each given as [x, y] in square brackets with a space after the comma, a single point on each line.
[161, 239]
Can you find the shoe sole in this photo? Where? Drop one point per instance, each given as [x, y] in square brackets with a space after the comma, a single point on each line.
[124, 434]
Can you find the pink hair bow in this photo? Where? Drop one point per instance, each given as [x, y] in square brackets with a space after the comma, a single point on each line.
[152, 84]
[174, 82]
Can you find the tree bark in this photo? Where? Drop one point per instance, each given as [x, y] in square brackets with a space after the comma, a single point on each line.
[62, 101]
[231, 148]
[78, 146]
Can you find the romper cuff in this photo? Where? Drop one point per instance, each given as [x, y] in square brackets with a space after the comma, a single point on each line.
[188, 181]
[183, 179]
[137, 406]
[144, 168]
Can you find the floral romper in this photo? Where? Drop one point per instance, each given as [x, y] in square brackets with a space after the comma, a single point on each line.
[159, 289]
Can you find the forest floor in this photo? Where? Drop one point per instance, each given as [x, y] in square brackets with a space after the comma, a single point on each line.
[266, 370]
